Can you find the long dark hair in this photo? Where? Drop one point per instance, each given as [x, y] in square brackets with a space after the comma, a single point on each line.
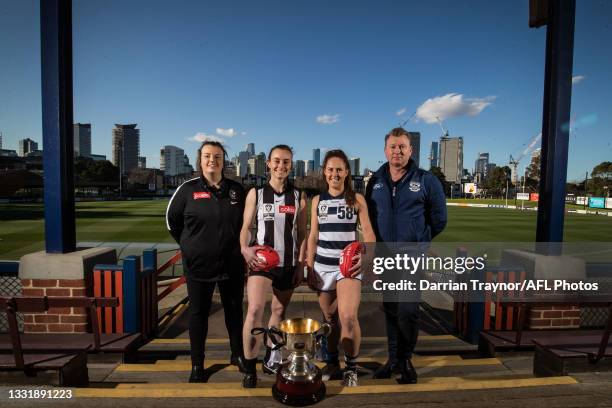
[199, 155]
[349, 193]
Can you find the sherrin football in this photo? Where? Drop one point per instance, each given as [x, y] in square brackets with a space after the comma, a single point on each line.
[268, 256]
[346, 257]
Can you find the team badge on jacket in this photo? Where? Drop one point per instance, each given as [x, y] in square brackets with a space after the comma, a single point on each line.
[415, 186]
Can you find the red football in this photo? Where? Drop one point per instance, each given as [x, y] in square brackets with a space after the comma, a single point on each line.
[346, 257]
[268, 256]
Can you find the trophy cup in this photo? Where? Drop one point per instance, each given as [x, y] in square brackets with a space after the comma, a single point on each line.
[298, 381]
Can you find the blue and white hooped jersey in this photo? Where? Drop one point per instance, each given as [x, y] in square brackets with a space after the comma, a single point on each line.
[337, 229]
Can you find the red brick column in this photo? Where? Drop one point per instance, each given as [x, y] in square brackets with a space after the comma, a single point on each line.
[55, 320]
[554, 317]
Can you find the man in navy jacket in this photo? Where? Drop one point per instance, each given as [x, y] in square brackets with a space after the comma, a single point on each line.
[406, 204]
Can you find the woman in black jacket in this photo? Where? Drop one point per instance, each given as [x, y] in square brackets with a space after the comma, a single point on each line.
[204, 216]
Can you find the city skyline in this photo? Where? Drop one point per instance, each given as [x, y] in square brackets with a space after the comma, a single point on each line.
[306, 88]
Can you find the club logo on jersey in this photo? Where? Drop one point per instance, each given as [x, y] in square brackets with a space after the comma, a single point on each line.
[415, 186]
[286, 209]
[268, 212]
[201, 194]
[323, 212]
[233, 195]
[377, 186]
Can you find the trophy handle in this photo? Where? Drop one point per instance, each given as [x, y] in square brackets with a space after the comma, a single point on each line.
[275, 335]
[324, 331]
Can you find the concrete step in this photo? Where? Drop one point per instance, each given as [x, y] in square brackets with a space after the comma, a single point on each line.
[234, 389]
[372, 345]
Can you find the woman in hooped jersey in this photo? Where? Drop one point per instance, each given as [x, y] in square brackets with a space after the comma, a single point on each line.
[280, 212]
[335, 214]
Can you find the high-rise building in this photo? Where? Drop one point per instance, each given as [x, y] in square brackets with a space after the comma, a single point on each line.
[250, 148]
[300, 168]
[82, 139]
[451, 158]
[126, 147]
[481, 167]
[415, 142]
[187, 167]
[257, 165]
[171, 160]
[316, 158]
[309, 167]
[434, 155]
[354, 164]
[142, 162]
[26, 146]
[242, 167]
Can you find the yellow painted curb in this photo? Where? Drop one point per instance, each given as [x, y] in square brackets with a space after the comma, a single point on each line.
[419, 362]
[442, 337]
[235, 390]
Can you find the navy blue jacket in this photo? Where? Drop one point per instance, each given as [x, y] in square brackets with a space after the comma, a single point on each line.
[412, 211]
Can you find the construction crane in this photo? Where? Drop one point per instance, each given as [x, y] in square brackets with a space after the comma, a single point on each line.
[444, 130]
[515, 162]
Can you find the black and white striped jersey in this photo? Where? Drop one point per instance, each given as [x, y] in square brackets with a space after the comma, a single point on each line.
[337, 229]
[277, 221]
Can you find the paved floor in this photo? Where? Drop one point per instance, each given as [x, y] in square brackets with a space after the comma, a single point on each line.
[450, 374]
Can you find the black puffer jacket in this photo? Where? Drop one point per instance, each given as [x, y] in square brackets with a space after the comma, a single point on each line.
[206, 223]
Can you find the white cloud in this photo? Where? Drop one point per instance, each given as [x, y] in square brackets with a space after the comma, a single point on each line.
[201, 136]
[328, 119]
[576, 79]
[400, 112]
[451, 105]
[231, 132]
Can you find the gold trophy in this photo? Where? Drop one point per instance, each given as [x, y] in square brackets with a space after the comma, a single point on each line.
[298, 381]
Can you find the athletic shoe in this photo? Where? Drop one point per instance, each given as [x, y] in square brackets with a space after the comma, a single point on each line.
[249, 380]
[350, 378]
[331, 371]
[272, 361]
[270, 369]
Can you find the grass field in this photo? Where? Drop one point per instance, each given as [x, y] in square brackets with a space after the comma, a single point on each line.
[22, 226]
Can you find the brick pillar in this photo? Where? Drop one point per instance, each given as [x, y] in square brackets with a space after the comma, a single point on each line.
[55, 320]
[554, 317]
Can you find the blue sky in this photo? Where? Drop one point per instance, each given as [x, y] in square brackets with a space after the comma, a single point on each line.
[268, 69]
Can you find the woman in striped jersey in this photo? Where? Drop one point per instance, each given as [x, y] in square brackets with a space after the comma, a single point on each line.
[335, 215]
[280, 214]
